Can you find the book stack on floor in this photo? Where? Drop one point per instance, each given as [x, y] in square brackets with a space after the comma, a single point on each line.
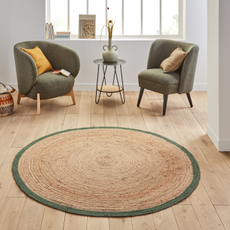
[62, 35]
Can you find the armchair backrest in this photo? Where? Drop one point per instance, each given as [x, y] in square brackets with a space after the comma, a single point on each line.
[60, 57]
[162, 48]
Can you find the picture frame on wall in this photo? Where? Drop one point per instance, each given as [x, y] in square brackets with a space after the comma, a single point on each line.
[87, 26]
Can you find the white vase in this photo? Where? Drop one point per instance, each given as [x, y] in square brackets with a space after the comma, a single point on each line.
[110, 54]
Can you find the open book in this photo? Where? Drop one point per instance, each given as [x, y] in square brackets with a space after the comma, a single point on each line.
[62, 71]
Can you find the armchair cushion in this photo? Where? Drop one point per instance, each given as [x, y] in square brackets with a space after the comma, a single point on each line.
[174, 61]
[156, 80]
[51, 85]
[41, 61]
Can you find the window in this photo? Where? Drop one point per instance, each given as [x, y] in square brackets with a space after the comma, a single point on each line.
[133, 18]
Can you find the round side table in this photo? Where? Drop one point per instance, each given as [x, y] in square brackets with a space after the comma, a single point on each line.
[110, 89]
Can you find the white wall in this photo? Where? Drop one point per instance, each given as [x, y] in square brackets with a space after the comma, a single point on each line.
[218, 74]
[213, 70]
[24, 20]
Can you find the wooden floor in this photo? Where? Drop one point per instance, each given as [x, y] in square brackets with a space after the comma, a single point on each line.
[207, 208]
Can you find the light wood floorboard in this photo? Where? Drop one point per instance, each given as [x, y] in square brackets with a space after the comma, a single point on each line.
[120, 223]
[165, 219]
[208, 207]
[75, 222]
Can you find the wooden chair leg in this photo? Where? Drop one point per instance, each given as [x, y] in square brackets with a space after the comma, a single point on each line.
[38, 104]
[73, 96]
[19, 98]
[165, 104]
[189, 99]
[140, 96]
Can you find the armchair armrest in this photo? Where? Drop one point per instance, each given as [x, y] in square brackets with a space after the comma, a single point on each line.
[25, 68]
[188, 70]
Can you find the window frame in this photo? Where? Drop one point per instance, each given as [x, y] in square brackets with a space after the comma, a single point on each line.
[181, 22]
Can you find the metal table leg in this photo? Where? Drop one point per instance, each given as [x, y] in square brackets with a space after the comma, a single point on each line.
[97, 99]
[116, 87]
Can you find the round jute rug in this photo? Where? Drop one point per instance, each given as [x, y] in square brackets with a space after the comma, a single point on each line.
[106, 171]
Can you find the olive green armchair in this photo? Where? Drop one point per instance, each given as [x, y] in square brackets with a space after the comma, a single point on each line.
[46, 85]
[180, 81]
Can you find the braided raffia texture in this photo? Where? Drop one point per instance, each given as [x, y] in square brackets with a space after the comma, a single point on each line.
[105, 170]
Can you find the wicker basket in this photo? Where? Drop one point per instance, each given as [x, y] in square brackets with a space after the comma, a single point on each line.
[6, 103]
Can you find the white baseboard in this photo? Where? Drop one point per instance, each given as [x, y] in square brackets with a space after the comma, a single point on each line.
[200, 87]
[128, 86]
[92, 87]
[221, 145]
[213, 137]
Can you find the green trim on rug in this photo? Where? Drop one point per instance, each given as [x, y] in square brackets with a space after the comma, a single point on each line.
[186, 193]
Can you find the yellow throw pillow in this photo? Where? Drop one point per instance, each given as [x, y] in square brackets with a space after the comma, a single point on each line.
[174, 61]
[41, 61]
